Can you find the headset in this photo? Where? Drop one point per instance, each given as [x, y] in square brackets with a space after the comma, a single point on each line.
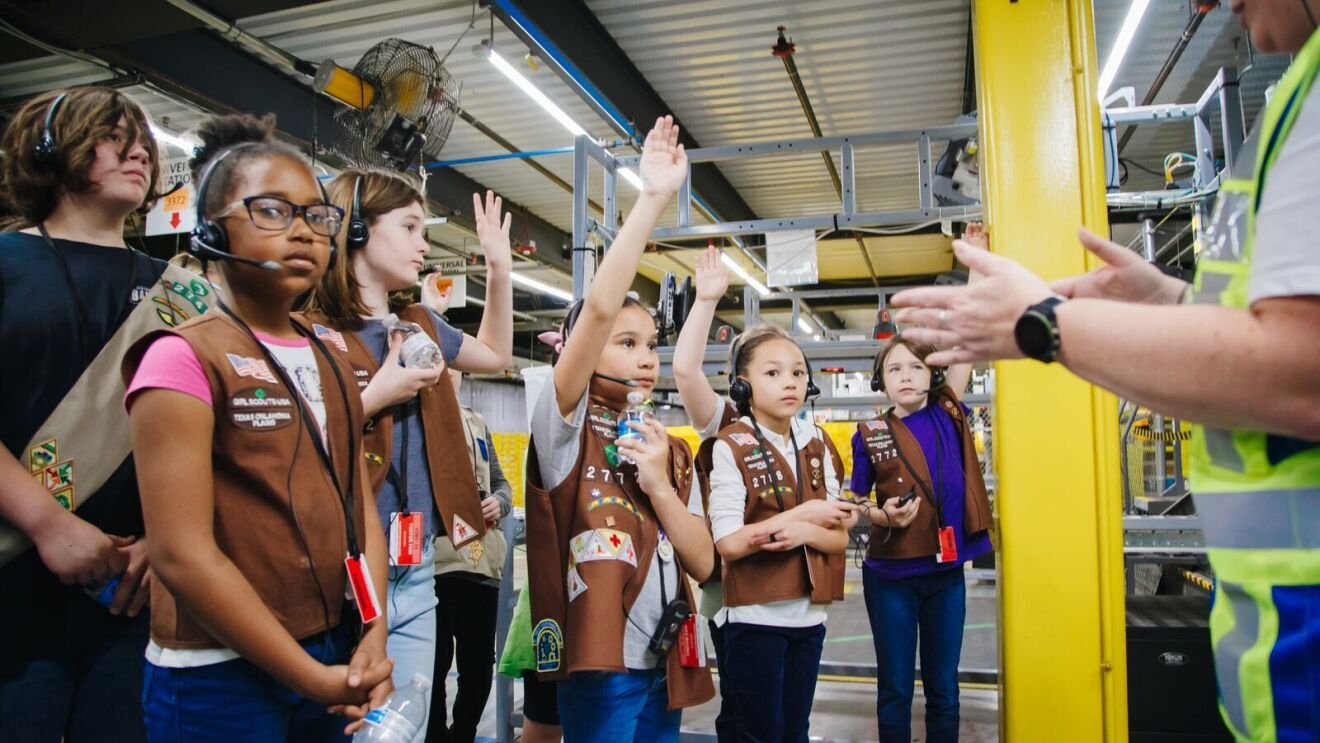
[210, 241]
[740, 390]
[938, 375]
[357, 233]
[46, 152]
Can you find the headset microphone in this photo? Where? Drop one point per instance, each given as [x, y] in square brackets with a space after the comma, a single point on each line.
[206, 251]
[617, 380]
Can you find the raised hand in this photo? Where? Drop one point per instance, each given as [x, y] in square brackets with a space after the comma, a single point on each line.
[663, 166]
[492, 232]
[712, 277]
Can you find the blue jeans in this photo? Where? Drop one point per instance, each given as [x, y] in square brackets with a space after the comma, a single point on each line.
[85, 691]
[617, 707]
[410, 604]
[726, 723]
[237, 701]
[772, 678]
[935, 603]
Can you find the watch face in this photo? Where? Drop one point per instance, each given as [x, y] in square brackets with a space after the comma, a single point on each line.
[1032, 333]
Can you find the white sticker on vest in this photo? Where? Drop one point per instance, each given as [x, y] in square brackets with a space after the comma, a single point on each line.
[261, 409]
[255, 368]
[576, 586]
[461, 531]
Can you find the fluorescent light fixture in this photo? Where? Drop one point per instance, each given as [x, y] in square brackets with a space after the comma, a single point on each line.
[742, 274]
[535, 94]
[632, 178]
[432, 221]
[1121, 44]
[805, 325]
[165, 137]
[530, 283]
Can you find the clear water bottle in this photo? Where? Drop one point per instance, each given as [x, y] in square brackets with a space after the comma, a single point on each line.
[402, 715]
[633, 412]
[418, 351]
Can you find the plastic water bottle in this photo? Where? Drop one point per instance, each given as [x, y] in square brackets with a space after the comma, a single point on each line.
[632, 413]
[103, 592]
[418, 351]
[401, 717]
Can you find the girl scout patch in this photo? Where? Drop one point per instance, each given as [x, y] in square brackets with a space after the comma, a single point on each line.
[549, 642]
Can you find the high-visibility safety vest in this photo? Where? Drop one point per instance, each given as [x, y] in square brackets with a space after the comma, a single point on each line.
[1258, 494]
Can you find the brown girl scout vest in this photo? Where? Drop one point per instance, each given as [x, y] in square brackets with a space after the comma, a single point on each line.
[590, 542]
[764, 576]
[704, 464]
[883, 437]
[452, 477]
[272, 493]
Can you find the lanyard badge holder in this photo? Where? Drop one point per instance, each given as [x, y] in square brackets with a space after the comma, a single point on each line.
[405, 526]
[948, 543]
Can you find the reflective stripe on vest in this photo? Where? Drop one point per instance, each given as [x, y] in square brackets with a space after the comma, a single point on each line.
[1271, 519]
[1220, 457]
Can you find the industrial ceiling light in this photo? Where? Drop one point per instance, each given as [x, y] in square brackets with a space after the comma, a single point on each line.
[742, 274]
[1121, 44]
[544, 288]
[805, 325]
[533, 92]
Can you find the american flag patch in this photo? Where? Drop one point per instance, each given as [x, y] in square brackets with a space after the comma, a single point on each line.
[743, 439]
[255, 368]
[330, 335]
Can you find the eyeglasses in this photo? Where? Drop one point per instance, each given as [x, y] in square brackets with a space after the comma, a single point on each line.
[273, 213]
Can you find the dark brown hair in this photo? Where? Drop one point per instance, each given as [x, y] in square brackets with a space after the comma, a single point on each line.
[87, 115]
[338, 296]
[249, 138]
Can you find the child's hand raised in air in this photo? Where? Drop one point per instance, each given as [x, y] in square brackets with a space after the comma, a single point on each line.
[712, 275]
[664, 162]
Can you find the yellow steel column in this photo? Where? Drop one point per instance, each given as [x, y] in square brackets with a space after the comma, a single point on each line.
[1062, 654]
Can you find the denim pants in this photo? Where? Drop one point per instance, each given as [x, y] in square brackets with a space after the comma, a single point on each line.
[771, 679]
[936, 605]
[617, 707]
[88, 690]
[237, 701]
[411, 606]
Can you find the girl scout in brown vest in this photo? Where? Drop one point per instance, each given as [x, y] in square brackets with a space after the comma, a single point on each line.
[615, 528]
[416, 453]
[252, 487]
[709, 413]
[777, 577]
[932, 516]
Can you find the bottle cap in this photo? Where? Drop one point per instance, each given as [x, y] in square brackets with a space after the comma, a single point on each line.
[421, 681]
[635, 398]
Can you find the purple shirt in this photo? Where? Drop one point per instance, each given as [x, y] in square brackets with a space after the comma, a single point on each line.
[945, 463]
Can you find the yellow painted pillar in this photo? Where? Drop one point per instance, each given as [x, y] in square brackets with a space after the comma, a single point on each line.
[1062, 654]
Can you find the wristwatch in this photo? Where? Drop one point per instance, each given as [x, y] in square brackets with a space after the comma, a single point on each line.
[1037, 331]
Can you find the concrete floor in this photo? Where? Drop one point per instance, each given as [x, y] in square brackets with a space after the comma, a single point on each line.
[844, 709]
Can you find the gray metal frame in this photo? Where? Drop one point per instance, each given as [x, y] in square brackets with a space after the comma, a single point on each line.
[586, 151]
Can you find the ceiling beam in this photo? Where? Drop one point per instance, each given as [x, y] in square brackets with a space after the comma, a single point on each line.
[586, 56]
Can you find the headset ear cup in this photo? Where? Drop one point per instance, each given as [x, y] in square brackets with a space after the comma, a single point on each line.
[46, 153]
[740, 391]
[357, 235]
[210, 236]
[877, 382]
[937, 377]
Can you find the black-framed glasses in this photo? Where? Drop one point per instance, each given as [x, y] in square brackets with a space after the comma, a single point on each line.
[273, 213]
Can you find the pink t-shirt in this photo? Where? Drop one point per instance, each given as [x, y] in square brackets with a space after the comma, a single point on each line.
[171, 364]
